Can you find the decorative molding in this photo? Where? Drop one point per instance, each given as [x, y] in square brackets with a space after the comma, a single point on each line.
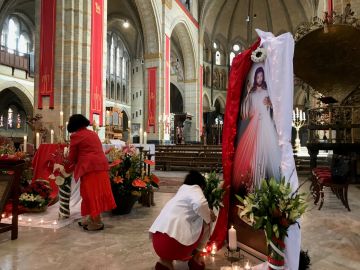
[151, 56]
[347, 18]
[167, 3]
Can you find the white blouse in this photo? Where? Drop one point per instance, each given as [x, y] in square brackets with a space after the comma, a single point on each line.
[182, 217]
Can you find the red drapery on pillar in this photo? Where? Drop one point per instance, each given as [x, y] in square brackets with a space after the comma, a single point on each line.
[96, 57]
[151, 98]
[239, 70]
[167, 76]
[47, 52]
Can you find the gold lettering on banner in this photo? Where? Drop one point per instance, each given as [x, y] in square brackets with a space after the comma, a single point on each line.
[97, 8]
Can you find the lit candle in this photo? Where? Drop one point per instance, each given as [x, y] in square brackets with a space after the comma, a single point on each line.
[2, 215]
[25, 144]
[232, 239]
[37, 142]
[41, 221]
[107, 117]
[55, 222]
[66, 132]
[304, 116]
[61, 118]
[145, 137]
[301, 115]
[20, 218]
[29, 220]
[213, 249]
[141, 136]
[247, 266]
[297, 112]
[52, 136]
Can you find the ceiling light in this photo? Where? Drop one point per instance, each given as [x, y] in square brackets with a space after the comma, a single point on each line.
[126, 24]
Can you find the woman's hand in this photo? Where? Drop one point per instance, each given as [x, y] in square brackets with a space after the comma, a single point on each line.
[212, 216]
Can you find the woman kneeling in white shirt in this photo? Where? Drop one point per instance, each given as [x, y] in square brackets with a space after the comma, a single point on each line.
[183, 225]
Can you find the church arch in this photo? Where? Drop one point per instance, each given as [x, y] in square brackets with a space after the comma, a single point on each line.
[176, 99]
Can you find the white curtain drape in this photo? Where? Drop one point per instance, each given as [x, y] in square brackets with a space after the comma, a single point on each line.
[279, 74]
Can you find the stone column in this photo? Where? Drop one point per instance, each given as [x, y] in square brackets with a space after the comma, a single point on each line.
[72, 61]
[191, 103]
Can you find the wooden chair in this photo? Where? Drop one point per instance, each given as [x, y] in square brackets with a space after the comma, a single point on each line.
[336, 177]
[9, 188]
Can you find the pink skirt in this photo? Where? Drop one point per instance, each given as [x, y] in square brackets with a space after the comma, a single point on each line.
[96, 193]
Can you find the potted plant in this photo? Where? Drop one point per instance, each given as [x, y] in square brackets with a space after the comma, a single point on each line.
[126, 179]
[273, 207]
[36, 196]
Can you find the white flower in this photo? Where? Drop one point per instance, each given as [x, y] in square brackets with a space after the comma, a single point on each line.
[66, 151]
[59, 180]
[259, 55]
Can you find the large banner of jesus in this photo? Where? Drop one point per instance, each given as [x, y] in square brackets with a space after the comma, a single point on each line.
[257, 133]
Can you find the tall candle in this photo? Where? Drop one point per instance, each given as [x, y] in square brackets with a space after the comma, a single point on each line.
[61, 118]
[141, 136]
[232, 239]
[52, 136]
[129, 124]
[37, 142]
[145, 137]
[107, 117]
[325, 5]
[66, 132]
[304, 117]
[247, 266]
[297, 112]
[301, 115]
[25, 144]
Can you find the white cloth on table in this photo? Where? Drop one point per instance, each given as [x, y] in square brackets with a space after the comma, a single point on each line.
[182, 217]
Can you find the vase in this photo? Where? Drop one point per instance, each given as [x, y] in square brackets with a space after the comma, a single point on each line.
[276, 254]
[124, 203]
[64, 199]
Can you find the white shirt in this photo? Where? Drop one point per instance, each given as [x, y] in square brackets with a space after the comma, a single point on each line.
[182, 217]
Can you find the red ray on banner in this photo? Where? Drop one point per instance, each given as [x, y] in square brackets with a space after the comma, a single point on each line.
[96, 60]
[47, 52]
[151, 98]
[239, 71]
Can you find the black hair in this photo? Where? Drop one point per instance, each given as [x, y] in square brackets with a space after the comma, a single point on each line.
[195, 178]
[77, 121]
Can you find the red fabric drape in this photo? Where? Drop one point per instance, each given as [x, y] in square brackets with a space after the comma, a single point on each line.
[96, 60]
[239, 70]
[47, 52]
[151, 98]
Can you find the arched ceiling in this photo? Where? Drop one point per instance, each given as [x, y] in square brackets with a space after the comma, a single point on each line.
[118, 12]
[226, 20]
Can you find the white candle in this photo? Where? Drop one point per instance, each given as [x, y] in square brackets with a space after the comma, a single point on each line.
[213, 250]
[129, 124]
[25, 144]
[232, 239]
[247, 266]
[145, 137]
[325, 5]
[293, 115]
[342, 6]
[66, 132]
[301, 115]
[107, 117]
[52, 136]
[304, 117]
[141, 136]
[297, 112]
[37, 142]
[61, 118]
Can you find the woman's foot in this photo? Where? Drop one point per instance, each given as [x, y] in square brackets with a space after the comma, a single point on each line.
[92, 226]
[84, 222]
[160, 266]
[196, 262]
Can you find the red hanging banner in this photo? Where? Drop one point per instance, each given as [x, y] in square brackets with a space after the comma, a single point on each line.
[151, 98]
[167, 76]
[47, 52]
[96, 64]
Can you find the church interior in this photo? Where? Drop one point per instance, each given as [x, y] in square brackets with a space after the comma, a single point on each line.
[157, 76]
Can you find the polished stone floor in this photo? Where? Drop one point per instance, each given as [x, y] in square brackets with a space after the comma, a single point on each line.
[332, 237]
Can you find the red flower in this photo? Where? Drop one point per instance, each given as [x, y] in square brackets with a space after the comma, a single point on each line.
[149, 162]
[139, 183]
[115, 163]
[118, 180]
[155, 179]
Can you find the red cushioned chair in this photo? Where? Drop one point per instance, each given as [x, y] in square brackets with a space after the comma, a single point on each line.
[336, 177]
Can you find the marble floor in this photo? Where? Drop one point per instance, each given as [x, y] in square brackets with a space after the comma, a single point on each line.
[332, 237]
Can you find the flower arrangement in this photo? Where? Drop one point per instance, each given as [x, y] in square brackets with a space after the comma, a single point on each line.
[214, 190]
[273, 207]
[36, 195]
[7, 150]
[259, 55]
[125, 174]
